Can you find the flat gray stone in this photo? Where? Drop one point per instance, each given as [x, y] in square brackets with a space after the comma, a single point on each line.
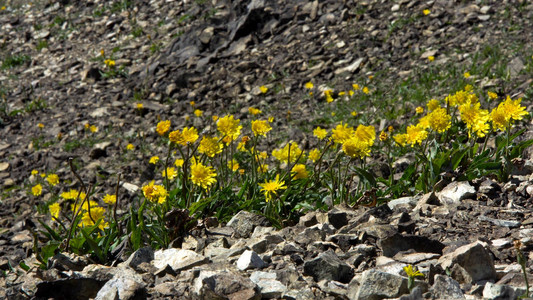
[328, 266]
[379, 285]
[178, 259]
[445, 287]
[455, 192]
[474, 259]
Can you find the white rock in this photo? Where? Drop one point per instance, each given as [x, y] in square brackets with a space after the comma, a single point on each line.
[456, 191]
[178, 259]
[248, 260]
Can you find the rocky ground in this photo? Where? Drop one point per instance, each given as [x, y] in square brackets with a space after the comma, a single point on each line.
[217, 54]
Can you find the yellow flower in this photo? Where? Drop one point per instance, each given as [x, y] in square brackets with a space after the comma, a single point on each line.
[499, 120]
[270, 119]
[37, 190]
[314, 155]
[72, 195]
[329, 97]
[109, 63]
[342, 94]
[299, 172]
[466, 74]
[179, 162]
[309, 85]
[320, 133]
[367, 134]
[492, 95]
[209, 146]
[475, 118]
[263, 89]
[54, 209]
[214, 118]
[52, 179]
[93, 129]
[241, 171]
[233, 165]
[354, 147]
[401, 139]
[260, 127]
[439, 120]
[366, 90]
[203, 176]
[419, 110]
[426, 12]
[351, 93]
[254, 111]
[333, 113]
[192, 103]
[229, 128]
[341, 133]
[154, 159]
[170, 173]
[262, 168]
[390, 128]
[355, 87]
[353, 113]
[383, 136]
[130, 147]
[102, 52]
[85, 205]
[155, 192]
[140, 106]
[163, 127]
[433, 104]
[271, 187]
[43, 175]
[412, 272]
[189, 135]
[40, 125]
[87, 125]
[507, 111]
[175, 136]
[34, 172]
[198, 113]
[431, 58]
[416, 134]
[97, 213]
[110, 199]
[284, 153]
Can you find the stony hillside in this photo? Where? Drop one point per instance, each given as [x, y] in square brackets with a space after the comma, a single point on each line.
[66, 64]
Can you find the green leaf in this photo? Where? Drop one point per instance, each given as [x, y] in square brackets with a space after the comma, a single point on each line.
[52, 233]
[366, 175]
[518, 149]
[92, 244]
[24, 266]
[457, 158]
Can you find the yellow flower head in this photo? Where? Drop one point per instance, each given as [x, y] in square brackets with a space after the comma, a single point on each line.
[412, 272]
[270, 188]
[320, 133]
[291, 151]
[110, 199]
[34, 172]
[229, 128]
[354, 147]
[93, 129]
[466, 74]
[262, 168]
[299, 171]
[40, 125]
[130, 147]
[154, 159]
[52, 179]
[192, 103]
[189, 135]
[356, 87]
[198, 113]
[170, 173]
[163, 127]
[140, 106]
[72, 195]
[366, 90]
[492, 95]
[439, 120]
[353, 113]
[87, 125]
[233, 165]
[401, 139]
[37, 190]
[263, 89]
[309, 85]
[260, 127]
[431, 58]
[426, 12]
[179, 162]
[314, 155]
[155, 192]
[383, 136]
[390, 128]
[109, 63]
[254, 111]
[210, 146]
[475, 118]
[419, 110]
[416, 134]
[433, 104]
[54, 209]
[367, 134]
[341, 133]
[96, 214]
[203, 176]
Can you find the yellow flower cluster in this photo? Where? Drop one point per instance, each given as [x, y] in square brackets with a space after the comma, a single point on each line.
[291, 152]
[203, 176]
[155, 192]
